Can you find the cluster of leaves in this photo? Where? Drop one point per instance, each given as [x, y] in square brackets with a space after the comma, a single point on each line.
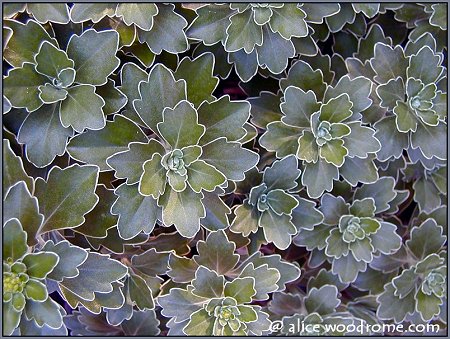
[223, 169]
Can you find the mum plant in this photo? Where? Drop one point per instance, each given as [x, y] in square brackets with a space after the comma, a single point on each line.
[221, 169]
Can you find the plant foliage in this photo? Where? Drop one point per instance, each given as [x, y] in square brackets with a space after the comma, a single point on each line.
[224, 169]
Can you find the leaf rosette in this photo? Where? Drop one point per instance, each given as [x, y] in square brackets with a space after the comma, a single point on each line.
[221, 291]
[350, 235]
[193, 153]
[251, 33]
[271, 207]
[146, 29]
[321, 125]
[24, 287]
[415, 101]
[420, 288]
[59, 87]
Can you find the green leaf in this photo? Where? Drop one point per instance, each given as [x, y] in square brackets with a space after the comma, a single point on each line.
[243, 32]
[216, 212]
[281, 138]
[356, 170]
[308, 149]
[113, 97]
[275, 51]
[24, 42]
[44, 135]
[336, 109]
[426, 195]
[386, 240]
[430, 140]
[369, 10]
[22, 87]
[336, 246]
[56, 12]
[13, 170]
[179, 304]
[95, 147]
[392, 307]
[405, 119]
[281, 202]
[230, 158]
[94, 67]
[20, 204]
[200, 323]
[391, 92]
[140, 293]
[50, 60]
[265, 279]
[303, 76]
[439, 16]
[14, 241]
[153, 180]
[202, 176]
[427, 305]
[96, 274]
[207, 283]
[362, 250]
[404, 283]
[100, 220]
[318, 177]
[70, 257]
[158, 92]
[82, 109]
[382, 191]
[426, 239]
[130, 77]
[210, 24]
[282, 174]
[246, 220]
[167, 32]
[277, 229]
[223, 118]
[389, 63]
[358, 90]
[323, 300]
[11, 318]
[198, 74]
[363, 208]
[298, 106]
[50, 95]
[181, 269]
[289, 21]
[392, 142]
[305, 215]
[334, 152]
[288, 271]
[81, 12]
[65, 189]
[241, 289]
[180, 126]
[182, 209]
[361, 141]
[151, 263]
[425, 66]
[112, 300]
[36, 290]
[47, 312]
[39, 265]
[136, 213]
[217, 253]
[139, 14]
[260, 326]
[347, 268]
